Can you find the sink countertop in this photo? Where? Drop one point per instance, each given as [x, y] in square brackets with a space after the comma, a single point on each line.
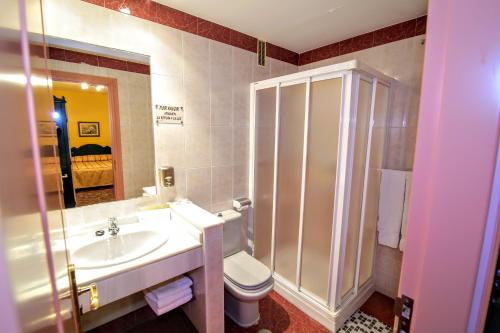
[181, 239]
[198, 217]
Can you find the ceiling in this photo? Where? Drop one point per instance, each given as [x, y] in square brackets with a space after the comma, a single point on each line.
[302, 25]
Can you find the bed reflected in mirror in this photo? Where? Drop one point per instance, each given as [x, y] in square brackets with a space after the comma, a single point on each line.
[103, 116]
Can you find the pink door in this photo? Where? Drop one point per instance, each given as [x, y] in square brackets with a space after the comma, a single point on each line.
[453, 197]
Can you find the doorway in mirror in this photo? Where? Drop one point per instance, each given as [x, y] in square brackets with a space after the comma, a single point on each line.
[110, 128]
[87, 118]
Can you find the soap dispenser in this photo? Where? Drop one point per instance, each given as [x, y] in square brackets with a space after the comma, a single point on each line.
[167, 178]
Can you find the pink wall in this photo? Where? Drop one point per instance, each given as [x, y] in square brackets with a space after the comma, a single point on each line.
[457, 141]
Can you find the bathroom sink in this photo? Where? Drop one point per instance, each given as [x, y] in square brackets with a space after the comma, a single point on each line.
[106, 251]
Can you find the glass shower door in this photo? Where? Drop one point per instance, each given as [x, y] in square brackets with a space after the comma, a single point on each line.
[320, 184]
[376, 156]
[265, 122]
[359, 143]
[290, 157]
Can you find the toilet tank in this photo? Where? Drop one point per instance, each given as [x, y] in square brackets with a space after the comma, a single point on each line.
[232, 231]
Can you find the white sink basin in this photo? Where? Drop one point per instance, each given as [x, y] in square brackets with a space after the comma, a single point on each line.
[128, 245]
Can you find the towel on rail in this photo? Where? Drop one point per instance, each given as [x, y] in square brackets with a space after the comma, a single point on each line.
[405, 211]
[391, 206]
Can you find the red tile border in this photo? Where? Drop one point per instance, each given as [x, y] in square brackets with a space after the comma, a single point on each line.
[56, 53]
[145, 9]
[378, 37]
[79, 57]
[138, 68]
[214, 31]
[362, 42]
[112, 63]
[390, 34]
[305, 57]
[327, 51]
[277, 52]
[176, 19]
[243, 41]
[161, 14]
[421, 25]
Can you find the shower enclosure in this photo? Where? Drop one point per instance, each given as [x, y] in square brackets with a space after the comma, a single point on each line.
[317, 143]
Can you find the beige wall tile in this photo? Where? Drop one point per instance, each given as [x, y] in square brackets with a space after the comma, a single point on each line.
[240, 181]
[222, 145]
[222, 184]
[387, 270]
[199, 186]
[198, 146]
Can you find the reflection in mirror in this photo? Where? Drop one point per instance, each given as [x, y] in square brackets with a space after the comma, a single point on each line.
[103, 114]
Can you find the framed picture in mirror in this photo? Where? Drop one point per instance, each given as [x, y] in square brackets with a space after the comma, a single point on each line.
[88, 129]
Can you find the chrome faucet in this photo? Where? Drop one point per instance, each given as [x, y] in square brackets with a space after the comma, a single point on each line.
[113, 226]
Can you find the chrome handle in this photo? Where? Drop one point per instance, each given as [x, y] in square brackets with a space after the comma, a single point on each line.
[64, 176]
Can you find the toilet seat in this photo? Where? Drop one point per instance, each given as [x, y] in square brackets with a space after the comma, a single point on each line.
[246, 277]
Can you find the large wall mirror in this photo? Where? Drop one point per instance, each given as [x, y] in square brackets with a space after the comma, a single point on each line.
[103, 116]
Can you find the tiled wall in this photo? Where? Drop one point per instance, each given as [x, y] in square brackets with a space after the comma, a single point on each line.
[210, 152]
[211, 79]
[136, 128]
[388, 270]
[402, 60]
[161, 14]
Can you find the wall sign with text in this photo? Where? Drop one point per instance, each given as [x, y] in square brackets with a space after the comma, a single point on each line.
[167, 114]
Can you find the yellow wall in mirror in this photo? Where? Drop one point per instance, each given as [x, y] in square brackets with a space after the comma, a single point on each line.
[88, 106]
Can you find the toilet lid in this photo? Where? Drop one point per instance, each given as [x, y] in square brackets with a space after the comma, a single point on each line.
[245, 271]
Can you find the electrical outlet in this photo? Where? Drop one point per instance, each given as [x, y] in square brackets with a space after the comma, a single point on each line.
[405, 314]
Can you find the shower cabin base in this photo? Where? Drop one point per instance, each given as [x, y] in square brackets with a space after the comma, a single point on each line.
[332, 320]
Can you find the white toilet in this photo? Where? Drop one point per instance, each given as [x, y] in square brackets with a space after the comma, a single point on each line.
[246, 280]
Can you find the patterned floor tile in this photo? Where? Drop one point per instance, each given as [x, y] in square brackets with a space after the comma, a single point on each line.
[360, 322]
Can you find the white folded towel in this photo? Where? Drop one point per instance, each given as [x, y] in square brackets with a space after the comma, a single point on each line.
[166, 291]
[391, 205]
[169, 296]
[174, 297]
[161, 310]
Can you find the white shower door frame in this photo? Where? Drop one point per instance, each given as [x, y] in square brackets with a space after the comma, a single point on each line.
[335, 308]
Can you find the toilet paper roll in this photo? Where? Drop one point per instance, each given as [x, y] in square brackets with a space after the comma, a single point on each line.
[241, 204]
